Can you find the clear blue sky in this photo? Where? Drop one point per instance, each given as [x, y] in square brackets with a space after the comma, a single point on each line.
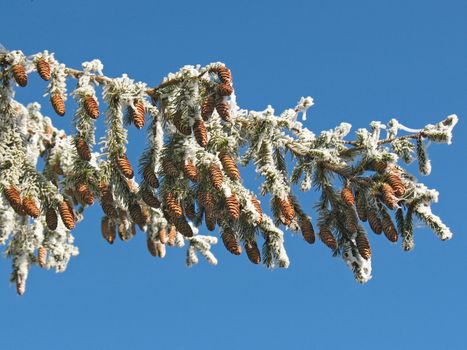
[361, 61]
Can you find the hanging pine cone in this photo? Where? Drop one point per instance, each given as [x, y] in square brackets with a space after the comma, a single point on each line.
[162, 235]
[233, 206]
[180, 124]
[190, 171]
[307, 230]
[106, 193]
[108, 206]
[396, 183]
[84, 193]
[91, 107]
[173, 206]
[252, 252]
[215, 175]
[380, 166]
[190, 211]
[108, 229]
[224, 74]
[388, 196]
[201, 133]
[160, 250]
[30, 207]
[223, 109]
[58, 104]
[14, 198]
[224, 89]
[41, 256]
[210, 219]
[125, 166]
[43, 68]
[82, 148]
[363, 245]
[257, 206]
[286, 208]
[347, 196]
[229, 165]
[172, 235]
[152, 246]
[150, 177]
[231, 243]
[361, 206]
[327, 238]
[136, 214]
[149, 198]
[66, 214]
[51, 218]
[19, 74]
[207, 200]
[207, 108]
[375, 221]
[137, 114]
[183, 227]
[169, 168]
[389, 229]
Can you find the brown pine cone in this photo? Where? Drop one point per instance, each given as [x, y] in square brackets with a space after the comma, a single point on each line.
[163, 236]
[361, 206]
[84, 193]
[380, 166]
[58, 104]
[307, 230]
[190, 171]
[375, 221]
[150, 177]
[388, 196]
[396, 183]
[169, 168]
[136, 214]
[233, 206]
[43, 68]
[231, 243]
[13, 197]
[83, 150]
[257, 206]
[91, 107]
[183, 227]
[223, 109]
[152, 246]
[149, 198]
[108, 229]
[363, 245]
[41, 256]
[190, 211]
[389, 229]
[106, 193]
[19, 74]
[286, 208]
[125, 167]
[229, 165]
[173, 206]
[51, 218]
[347, 196]
[210, 219]
[252, 252]
[30, 207]
[224, 74]
[215, 175]
[201, 133]
[224, 89]
[160, 250]
[180, 124]
[137, 114]
[172, 235]
[66, 213]
[207, 108]
[327, 238]
[207, 200]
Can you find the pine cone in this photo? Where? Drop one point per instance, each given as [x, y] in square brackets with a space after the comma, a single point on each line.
[307, 230]
[190, 171]
[229, 165]
[347, 196]
[224, 89]
[108, 229]
[30, 207]
[58, 104]
[190, 211]
[201, 133]
[210, 219]
[169, 168]
[160, 250]
[380, 166]
[137, 114]
[14, 198]
[257, 206]
[91, 107]
[361, 206]
[41, 256]
[43, 68]
[215, 175]
[327, 238]
[231, 243]
[396, 183]
[125, 167]
[224, 74]
[389, 229]
[183, 227]
[150, 177]
[223, 109]
[233, 206]
[363, 245]
[172, 235]
[252, 252]
[152, 246]
[388, 196]
[84, 193]
[375, 221]
[136, 214]
[149, 198]
[66, 214]
[51, 218]
[207, 108]
[180, 124]
[20, 75]
[82, 148]
[207, 200]
[173, 206]
[286, 208]
[163, 236]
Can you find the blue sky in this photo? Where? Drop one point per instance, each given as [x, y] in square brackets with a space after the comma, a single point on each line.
[360, 61]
